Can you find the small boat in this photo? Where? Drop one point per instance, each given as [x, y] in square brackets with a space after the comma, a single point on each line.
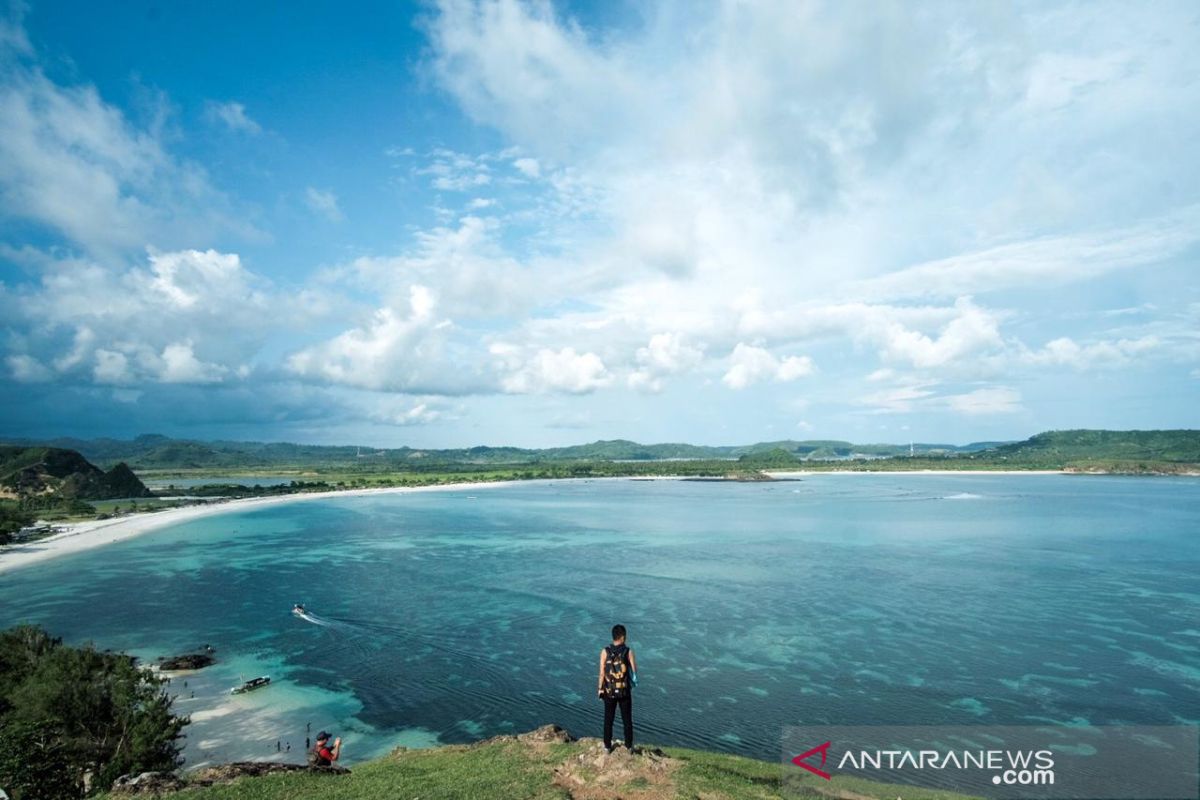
[298, 609]
[251, 685]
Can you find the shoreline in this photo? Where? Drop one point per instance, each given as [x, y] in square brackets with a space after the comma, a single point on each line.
[77, 537]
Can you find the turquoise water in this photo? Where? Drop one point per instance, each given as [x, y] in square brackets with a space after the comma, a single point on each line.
[841, 599]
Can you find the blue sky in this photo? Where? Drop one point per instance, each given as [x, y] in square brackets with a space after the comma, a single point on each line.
[457, 223]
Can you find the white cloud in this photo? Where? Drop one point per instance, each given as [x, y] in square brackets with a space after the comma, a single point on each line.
[180, 365]
[548, 370]
[399, 348]
[1043, 262]
[323, 202]
[1066, 352]
[529, 167]
[750, 364]
[972, 331]
[665, 354]
[186, 317]
[26, 369]
[985, 402]
[232, 115]
[457, 172]
[403, 412]
[897, 399]
[73, 163]
[111, 367]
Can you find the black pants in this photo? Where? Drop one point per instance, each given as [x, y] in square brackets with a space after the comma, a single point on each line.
[610, 711]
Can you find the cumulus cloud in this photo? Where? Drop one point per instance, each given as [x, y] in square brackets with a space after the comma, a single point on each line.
[184, 317]
[402, 412]
[233, 116]
[1066, 352]
[971, 331]
[704, 193]
[398, 348]
[749, 365]
[548, 370]
[665, 354]
[735, 159]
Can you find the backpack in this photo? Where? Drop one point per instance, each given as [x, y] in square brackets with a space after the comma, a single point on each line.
[315, 759]
[616, 672]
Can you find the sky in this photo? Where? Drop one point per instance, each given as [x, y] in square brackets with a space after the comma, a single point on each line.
[457, 223]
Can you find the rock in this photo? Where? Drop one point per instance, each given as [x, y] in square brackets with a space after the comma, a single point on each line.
[547, 734]
[595, 774]
[148, 784]
[223, 773]
[186, 661]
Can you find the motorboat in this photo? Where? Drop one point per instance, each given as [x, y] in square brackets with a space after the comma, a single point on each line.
[298, 609]
[251, 685]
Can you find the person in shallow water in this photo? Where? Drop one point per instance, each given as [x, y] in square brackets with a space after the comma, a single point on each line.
[323, 755]
[618, 676]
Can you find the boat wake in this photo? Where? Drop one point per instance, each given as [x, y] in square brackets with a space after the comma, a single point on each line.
[308, 616]
[963, 496]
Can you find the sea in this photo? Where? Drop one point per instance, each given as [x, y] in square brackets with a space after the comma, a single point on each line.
[834, 599]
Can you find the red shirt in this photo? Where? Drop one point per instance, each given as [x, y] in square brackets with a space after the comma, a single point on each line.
[325, 753]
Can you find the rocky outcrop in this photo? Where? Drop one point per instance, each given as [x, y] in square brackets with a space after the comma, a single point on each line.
[224, 773]
[596, 774]
[547, 734]
[159, 784]
[55, 471]
[186, 661]
[148, 784]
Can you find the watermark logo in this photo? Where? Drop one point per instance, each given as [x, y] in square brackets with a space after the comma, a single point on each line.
[801, 760]
[1032, 763]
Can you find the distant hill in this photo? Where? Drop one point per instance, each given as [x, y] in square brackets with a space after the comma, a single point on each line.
[1130, 451]
[154, 451]
[1085, 446]
[58, 472]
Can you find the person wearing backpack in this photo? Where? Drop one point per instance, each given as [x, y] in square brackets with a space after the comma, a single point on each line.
[618, 676]
[323, 755]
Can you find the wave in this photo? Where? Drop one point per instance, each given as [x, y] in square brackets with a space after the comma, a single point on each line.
[962, 496]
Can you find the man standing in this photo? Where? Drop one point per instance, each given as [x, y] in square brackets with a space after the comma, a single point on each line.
[618, 676]
[323, 755]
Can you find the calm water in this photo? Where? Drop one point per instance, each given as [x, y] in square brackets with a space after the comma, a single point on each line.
[847, 599]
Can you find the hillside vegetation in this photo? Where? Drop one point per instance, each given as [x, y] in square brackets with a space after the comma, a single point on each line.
[1082, 448]
[155, 452]
[28, 471]
[50, 481]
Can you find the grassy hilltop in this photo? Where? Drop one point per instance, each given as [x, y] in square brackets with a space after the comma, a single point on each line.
[542, 765]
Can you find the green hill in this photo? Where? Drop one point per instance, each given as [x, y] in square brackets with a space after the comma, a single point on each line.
[545, 764]
[51, 472]
[1082, 450]
[1168, 445]
[1126, 451]
[156, 452]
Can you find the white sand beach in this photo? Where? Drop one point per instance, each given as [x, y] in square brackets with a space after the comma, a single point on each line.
[75, 537]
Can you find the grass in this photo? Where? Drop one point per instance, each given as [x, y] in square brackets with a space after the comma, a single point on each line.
[509, 770]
